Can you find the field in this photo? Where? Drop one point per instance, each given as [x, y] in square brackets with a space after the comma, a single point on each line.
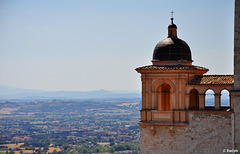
[7, 110]
[85, 126]
[14, 146]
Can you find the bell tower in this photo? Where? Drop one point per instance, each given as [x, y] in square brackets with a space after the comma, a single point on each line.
[175, 116]
[164, 82]
[165, 103]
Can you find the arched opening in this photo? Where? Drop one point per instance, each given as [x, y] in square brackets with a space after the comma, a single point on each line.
[225, 98]
[194, 99]
[209, 98]
[165, 101]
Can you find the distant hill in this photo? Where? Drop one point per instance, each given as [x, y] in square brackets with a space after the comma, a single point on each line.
[28, 94]
[11, 93]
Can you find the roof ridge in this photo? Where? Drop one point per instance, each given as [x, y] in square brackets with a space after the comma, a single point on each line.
[219, 75]
[211, 80]
[172, 67]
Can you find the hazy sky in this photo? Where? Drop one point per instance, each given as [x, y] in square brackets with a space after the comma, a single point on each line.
[96, 44]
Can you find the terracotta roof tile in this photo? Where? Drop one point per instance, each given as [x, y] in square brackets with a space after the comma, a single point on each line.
[172, 67]
[211, 80]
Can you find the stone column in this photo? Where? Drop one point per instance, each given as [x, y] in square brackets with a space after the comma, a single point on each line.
[173, 99]
[187, 104]
[231, 101]
[183, 84]
[217, 101]
[143, 93]
[201, 101]
[149, 89]
[176, 103]
[159, 95]
[236, 91]
[154, 100]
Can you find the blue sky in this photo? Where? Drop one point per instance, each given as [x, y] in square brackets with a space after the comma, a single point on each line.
[92, 44]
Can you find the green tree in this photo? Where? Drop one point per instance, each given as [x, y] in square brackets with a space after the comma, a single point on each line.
[111, 140]
[11, 152]
[97, 150]
[85, 151]
[39, 151]
[45, 149]
[74, 151]
[65, 147]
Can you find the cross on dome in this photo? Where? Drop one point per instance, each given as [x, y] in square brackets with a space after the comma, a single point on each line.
[172, 16]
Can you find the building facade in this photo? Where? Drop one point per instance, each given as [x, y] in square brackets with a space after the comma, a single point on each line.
[175, 114]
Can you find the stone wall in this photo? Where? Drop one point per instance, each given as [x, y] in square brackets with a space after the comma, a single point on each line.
[206, 133]
[236, 100]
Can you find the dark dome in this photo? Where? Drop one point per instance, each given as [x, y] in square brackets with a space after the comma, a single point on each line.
[172, 49]
[172, 26]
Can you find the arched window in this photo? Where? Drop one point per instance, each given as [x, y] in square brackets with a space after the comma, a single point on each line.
[194, 99]
[209, 98]
[165, 100]
[225, 98]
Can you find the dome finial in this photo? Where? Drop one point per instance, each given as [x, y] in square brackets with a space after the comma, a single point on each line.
[172, 29]
[172, 17]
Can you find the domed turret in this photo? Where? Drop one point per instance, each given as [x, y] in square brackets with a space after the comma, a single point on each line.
[172, 50]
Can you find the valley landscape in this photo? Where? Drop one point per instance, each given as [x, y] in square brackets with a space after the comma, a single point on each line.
[71, 122]
[70, 125]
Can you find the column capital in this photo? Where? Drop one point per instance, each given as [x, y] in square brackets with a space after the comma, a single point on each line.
[217, 95]
[201, 101]
[235, 93]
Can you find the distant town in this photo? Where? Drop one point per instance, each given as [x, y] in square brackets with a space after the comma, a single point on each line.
[105, 124]
[69, 126]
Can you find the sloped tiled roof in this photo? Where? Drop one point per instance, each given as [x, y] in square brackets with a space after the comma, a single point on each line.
[211, 80]
[172, 67]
